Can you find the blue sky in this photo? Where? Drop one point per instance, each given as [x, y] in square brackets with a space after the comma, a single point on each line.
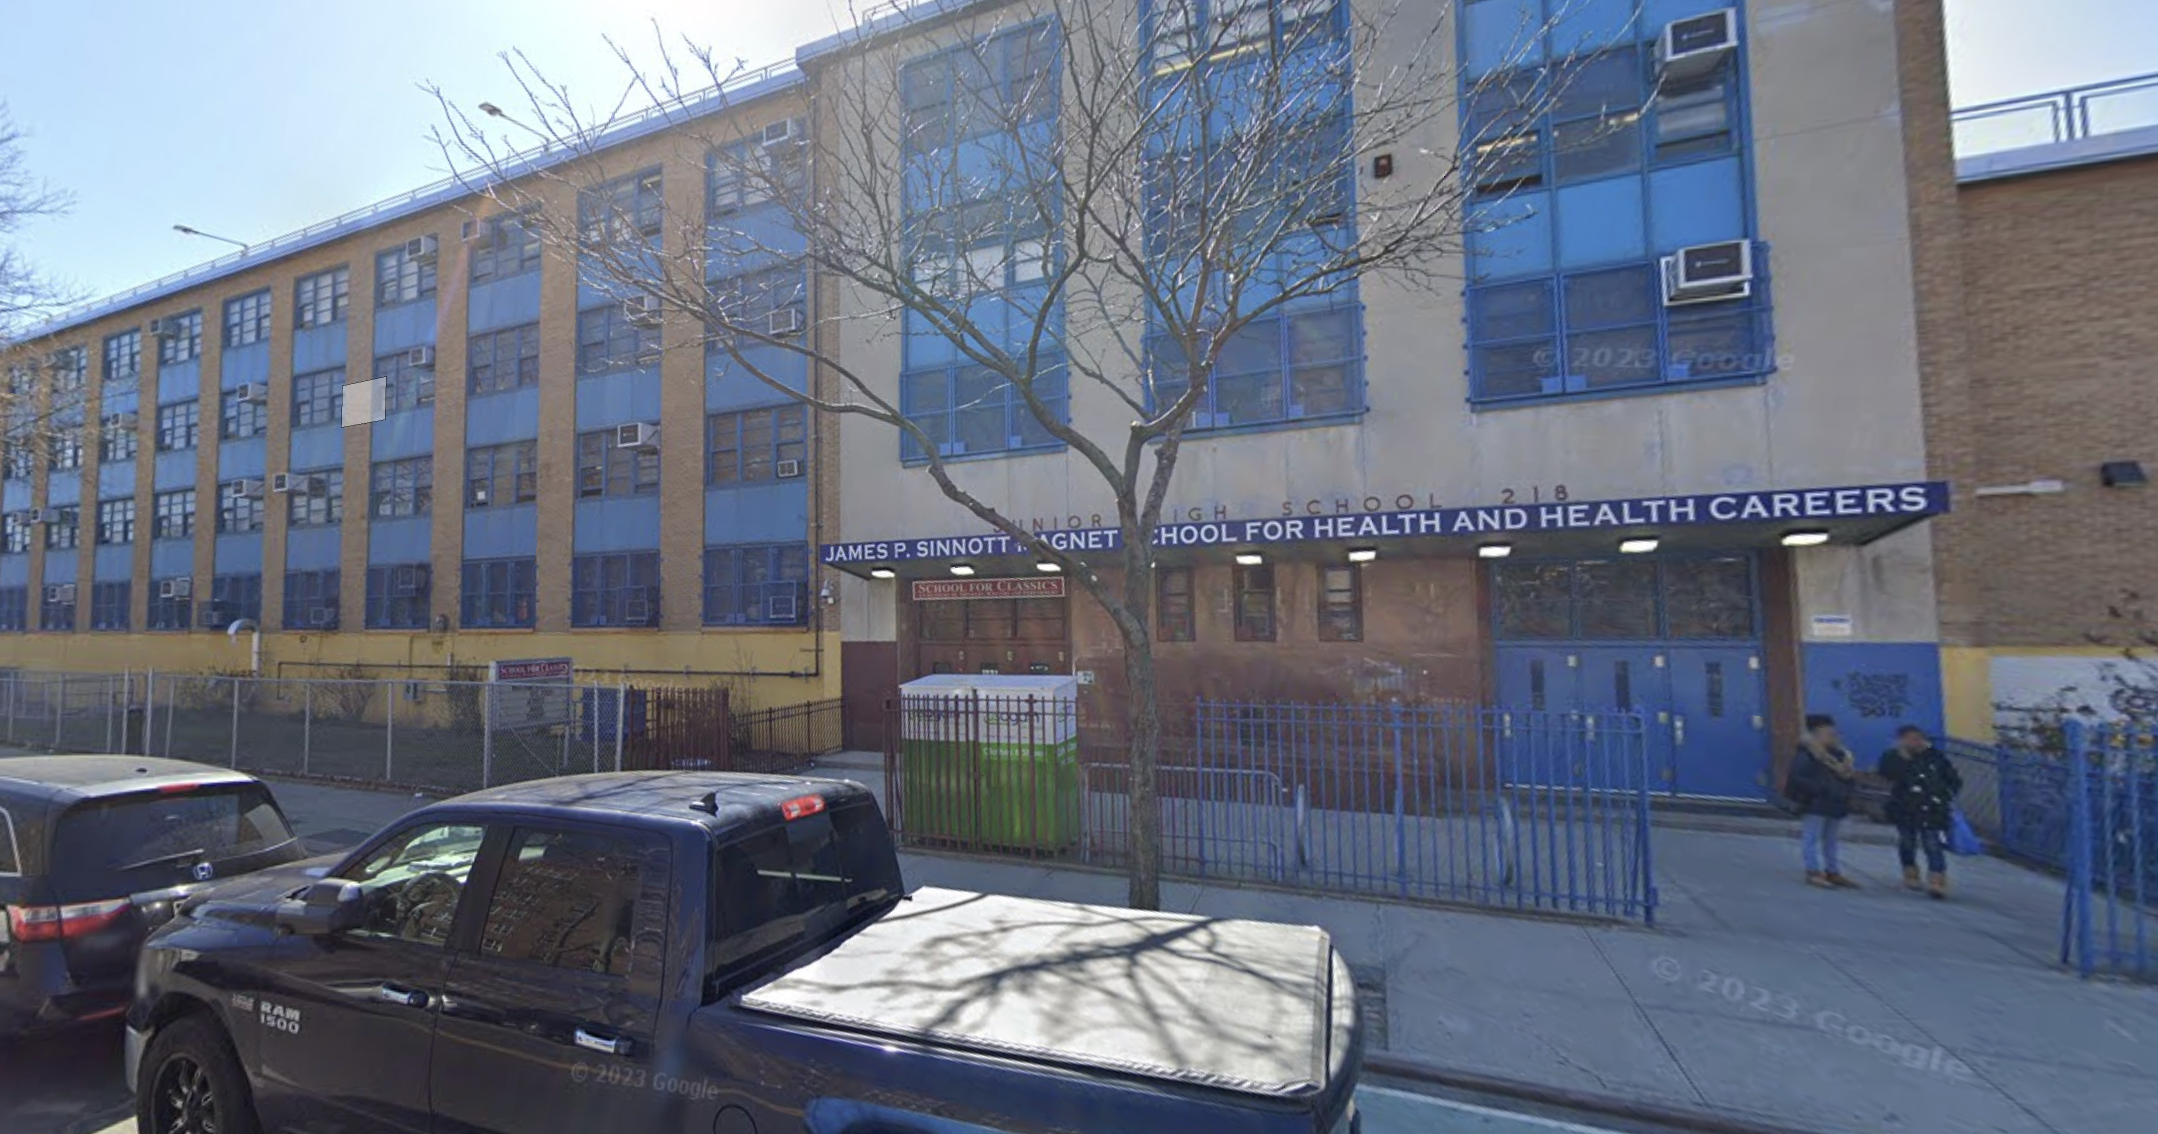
[250, 118]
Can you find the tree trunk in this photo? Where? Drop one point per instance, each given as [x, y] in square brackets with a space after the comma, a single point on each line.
[1143, 719]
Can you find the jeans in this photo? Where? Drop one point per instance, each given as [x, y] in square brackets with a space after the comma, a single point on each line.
[1909, 839]
[1817, 841]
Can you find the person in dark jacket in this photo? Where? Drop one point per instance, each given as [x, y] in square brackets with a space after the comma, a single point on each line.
[1922, 789]
[1819, 785]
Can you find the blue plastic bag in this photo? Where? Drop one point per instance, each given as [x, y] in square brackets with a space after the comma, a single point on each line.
[1961, 839]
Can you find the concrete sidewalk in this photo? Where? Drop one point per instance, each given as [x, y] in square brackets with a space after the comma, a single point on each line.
[1756, 996]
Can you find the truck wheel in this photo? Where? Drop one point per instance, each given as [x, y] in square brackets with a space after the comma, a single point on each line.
[192, 1084]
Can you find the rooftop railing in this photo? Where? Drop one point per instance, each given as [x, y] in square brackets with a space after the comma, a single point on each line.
[2058, 116]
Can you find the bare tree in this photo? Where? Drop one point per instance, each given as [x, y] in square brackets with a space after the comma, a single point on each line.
[1090, 219]
[30, 407]
[26, 295]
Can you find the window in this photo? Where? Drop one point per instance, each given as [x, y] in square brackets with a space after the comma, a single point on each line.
[1294, 365]
[752, 446]
[761, 585]
[311, 599]
[14, 608]
[1341, 603]
[496, 361]
[498, 476]
[1694, 119]
[64, 447]
[1608, 329]
[239, 506]
[972, 410]
[316, 500]
[108, 605]
[123, 357]
[506, 246]
[1255, 603]
[179, 426]
[770, 302]
[750, 172]
[14, 534]
[402, 488]
[569, 900]
[247, 319]
[609, 339]
[614, 213]
[170, 601]
[397, 596]
[58, 610]
[406, 385]
[70, 369]
[172, 514]
[240, 418]
[1175, 614]
[63, 527]
[772, 889]
[116, 521]
[320, 299]
[18, 459]
[615, 590]
[606, 469]
[411, 885]
[1587, 118]
[1632, 598]
[166, 835]
[233, 598]
[401, 276]
[117, 438]
[181, 337]
[499, 593]
[991, 85]
[318, 398]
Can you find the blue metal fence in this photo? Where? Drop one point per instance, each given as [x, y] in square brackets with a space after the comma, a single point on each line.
[2016, 798]
[2112, 911]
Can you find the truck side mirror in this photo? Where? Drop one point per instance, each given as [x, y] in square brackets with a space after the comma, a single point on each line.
[326, 908]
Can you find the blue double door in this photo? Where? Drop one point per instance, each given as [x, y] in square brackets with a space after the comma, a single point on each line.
[1704, 706]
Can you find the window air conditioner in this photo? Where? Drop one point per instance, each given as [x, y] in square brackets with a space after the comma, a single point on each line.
[422, 248]
[787, 470]
[281, 483]
[251, 392]
[641, 310]
[780, 133]
[422, 357]
[1693, 47]
[780, 608]
[637, 435]
[1708, 273]
[784, 321]
[250, 488]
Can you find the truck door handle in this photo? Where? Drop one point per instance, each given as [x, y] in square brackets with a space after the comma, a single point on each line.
[397, 994]
[609, 1045]
[1678, 729]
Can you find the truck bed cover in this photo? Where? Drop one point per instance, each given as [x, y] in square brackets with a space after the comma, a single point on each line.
[1244, 1006]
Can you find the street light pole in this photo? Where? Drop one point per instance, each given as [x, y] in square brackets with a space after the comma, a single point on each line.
[186, 231]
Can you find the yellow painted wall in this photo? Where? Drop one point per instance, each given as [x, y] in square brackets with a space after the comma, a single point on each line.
[1967, 692]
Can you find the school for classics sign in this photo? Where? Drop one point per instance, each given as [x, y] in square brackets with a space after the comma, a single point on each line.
[1796, 505]
[933, 590]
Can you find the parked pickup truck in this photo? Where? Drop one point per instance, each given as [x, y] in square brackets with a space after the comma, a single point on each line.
[700, 952]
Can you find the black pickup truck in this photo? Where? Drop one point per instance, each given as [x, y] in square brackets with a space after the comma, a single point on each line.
[700, 952]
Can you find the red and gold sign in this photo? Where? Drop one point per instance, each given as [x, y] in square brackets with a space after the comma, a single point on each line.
[936, 590]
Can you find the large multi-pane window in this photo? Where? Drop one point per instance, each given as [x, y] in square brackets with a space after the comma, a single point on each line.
[311, 599]
[179, 426]
[497, 476]
[171, 600]
[118, 436]
[752, 446]
[402, 488]
[116, 521]
[58, 611]
[1628, 597]
[172, 514]
[508, 359]
[239, 506]
[240, 417]
[247, 318]
[14, 609]
[123, 357]
[63, 446]
[318, 398]
[771, 301]
[1175, 614]
[63, 527]
[616, 336]
[981, 220]
[615, 590]
[622, 210]
[506, 245]
[317, 499]
[1285, 366]
[108, 605]
[605, 468]
[398, 596]
[179, 337]
[499, 593]
[756, 585]
[321, 299]
[1341, 602]
[773, 160]
[233, 598]
[18, 458]
[14, 533]
[1607, 329]
[1254, 602]
[408, 380]
[405, 273]
[70, 369]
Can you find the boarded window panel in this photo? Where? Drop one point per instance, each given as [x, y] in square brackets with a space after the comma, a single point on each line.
[1616, 598]
[1535, 600]
[1710, 598]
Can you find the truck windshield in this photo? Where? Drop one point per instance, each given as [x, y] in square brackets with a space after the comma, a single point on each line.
[112, 847]
[797, 882]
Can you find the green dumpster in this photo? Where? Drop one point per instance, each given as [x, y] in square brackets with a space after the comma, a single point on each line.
[990, 761]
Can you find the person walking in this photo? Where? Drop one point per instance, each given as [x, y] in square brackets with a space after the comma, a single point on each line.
[1819, 785]
[1922, 788]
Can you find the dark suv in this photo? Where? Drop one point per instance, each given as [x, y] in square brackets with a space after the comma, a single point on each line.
[94, 851]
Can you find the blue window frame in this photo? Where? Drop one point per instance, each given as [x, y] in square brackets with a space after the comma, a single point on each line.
[322, 299]
[123, 356]
[405, 384]
[499, 476]
[499, 593]
[170, 601]
[318, 398]
[118, 436]
[398, 596]
[247, 318]
[14, 534]
[14, 609]
[1628, 597]
[615, 590]
[180, 337]
[311, 599]
[232, 598]
[621, 210]
[1609, 329]
[63, 527]
[612, 337]
[756, 585]
[507, 245]
[108, 605]
[401, 276]
[753, 446]
[1294, 364]
[498, 361]
[58, 610]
